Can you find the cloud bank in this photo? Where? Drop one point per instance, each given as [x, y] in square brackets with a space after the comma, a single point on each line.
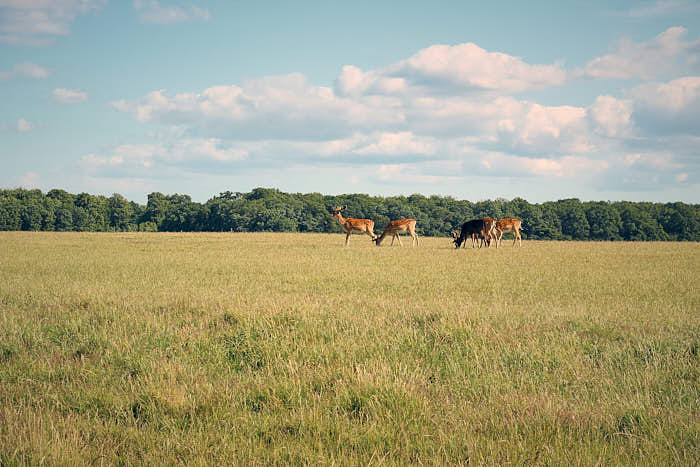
[40, 22]
[443, 114]
[152, 11]
[69, 96]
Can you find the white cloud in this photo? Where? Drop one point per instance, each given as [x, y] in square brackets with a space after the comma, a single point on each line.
[499, 164]
[69, 96]
[668, 108]
[210, 148]
[154, 157]
[547, 130]
[647, 171]
[278, 107]
[354, 82]
[667, 53]
[24, 126]
[25, 70]
[454, 69]
[412, 174]
[125, 156]
[610, 116]
[672, 98]
[469, 66]
[151, 11]
[39, 22]
[403, 143]
[651, 162]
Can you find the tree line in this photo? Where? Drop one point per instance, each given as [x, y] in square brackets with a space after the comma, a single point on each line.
[270, 210]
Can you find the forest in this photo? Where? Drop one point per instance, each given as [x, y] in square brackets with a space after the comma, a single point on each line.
[270, 210]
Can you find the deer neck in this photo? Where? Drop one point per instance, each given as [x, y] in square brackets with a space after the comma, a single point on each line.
[380, 238]
[341, 219]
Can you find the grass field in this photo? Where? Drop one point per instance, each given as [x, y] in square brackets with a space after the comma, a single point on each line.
[289, 348]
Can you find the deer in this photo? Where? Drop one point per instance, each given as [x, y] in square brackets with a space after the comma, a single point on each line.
[353, 226]
[394, 228]
[509, 224]
[471, 229]
[491, 229]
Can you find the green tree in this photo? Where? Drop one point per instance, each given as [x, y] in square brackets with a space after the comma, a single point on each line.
[92, 213]
[32, 214]
[639, 225]
[551, 224]
[64, 219]
[603, 220]
[64, 198]
[121, 214]
[181, 214]
[680, 221]
[574, 224]
[156, 209]
[10, 213]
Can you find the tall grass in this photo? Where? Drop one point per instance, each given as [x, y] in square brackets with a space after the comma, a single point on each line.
[290, 348]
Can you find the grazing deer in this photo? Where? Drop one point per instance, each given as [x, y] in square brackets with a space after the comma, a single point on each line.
[509, 224]
[394, 228]
[353, 226]
[471, 229]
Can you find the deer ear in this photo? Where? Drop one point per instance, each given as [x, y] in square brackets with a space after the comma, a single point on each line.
[454, 234]
[345, 207]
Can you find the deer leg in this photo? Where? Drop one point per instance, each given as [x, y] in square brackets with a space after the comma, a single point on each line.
[399, 238]
[347, 239]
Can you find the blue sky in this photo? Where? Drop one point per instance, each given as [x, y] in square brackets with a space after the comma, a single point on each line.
[544, 100]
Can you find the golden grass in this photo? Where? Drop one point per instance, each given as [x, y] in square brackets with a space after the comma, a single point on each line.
[289, 348]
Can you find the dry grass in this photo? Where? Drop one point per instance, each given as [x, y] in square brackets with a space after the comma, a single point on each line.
[279, 348]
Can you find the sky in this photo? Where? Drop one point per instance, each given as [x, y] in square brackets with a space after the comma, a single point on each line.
[596, 100]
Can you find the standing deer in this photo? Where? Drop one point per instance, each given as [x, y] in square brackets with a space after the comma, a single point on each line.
[353, 226]
[509, 224]
[394, 228]
[491, 232]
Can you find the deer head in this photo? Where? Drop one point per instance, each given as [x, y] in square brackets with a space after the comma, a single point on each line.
[456, 239]
[336, 210]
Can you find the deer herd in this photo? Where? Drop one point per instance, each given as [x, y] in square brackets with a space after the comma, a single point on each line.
[483, 230]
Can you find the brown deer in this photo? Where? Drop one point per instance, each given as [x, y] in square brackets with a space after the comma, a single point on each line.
[490, 232]
[509, 224]
[394, 228]
[353, 226]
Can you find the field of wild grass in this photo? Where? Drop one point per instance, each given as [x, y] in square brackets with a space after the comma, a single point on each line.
[289, 348]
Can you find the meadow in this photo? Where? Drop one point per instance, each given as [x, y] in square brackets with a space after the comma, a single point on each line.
[269, 348]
